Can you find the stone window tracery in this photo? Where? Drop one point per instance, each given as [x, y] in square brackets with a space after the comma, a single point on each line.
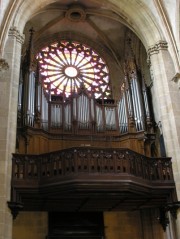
[66, 65]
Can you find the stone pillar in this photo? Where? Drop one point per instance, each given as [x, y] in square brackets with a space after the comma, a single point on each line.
[166, 100]
[9, 78]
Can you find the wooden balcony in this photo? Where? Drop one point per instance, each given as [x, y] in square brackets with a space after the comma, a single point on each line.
[91, 179]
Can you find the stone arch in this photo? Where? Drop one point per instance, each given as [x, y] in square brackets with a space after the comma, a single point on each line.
[134, 15]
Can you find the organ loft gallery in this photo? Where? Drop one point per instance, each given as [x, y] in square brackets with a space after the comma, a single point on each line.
[89, 119]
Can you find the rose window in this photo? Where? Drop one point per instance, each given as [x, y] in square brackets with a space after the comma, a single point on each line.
[66, 65]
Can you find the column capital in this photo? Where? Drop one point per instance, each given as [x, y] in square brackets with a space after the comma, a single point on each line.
[160, 45]
[14, 32]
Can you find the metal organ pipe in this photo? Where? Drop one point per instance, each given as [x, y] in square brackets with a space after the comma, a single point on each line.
[110, 118]
[59, 115]
[92, 110]
[75, 108]
[39, 98]
[44, 111]
[146, 105]
[20, 96]
[129, 103]
[31, 99]
[99, 118]
[52, 118]
[135, 108]
[56, 115]
[137, 105]
[122, 115]
[67, 117]
[82, 109]
[128, 97]
[28, 86]
[83, 112]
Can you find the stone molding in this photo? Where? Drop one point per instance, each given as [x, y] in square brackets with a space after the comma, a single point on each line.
[14, 32]
[161, 45]
[3, 65]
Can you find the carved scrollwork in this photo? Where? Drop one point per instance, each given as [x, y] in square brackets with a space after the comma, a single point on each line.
[120, 156]
[82, 154]
[108, 155]
[95, 154]
[163, 216]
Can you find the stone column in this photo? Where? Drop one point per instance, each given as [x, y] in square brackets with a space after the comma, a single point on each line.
[9, 78]
[166, 101]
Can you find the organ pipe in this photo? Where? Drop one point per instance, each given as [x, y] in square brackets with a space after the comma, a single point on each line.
[84, 110]
[31, 97]
[56, 115]
[67, 117]
[122, 115]
[74, 108]
[44, 111]
[146, 103]
[99, 119]
[81, 110]
[39, 98]
[28, 86]
[37, 103]
[136, 105]
[20, 95]
[129, 99]
[110, 117]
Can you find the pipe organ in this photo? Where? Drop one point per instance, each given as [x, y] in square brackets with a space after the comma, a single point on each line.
[65, 92]
[82, 111]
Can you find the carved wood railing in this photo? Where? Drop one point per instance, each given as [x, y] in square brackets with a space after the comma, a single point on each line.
[93, 179]
[89, 161]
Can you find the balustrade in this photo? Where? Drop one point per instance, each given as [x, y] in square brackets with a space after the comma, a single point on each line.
[90, 161]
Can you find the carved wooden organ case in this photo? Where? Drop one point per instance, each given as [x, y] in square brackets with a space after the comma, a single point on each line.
[57, 109]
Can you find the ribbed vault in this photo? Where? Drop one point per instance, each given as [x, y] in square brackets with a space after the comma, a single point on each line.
[134, 15]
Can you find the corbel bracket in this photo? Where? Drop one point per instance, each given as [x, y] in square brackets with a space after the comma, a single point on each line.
[163, 217]
[15, 207]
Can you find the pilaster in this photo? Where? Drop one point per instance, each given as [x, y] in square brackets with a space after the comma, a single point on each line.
[166, 98]
[9, 78]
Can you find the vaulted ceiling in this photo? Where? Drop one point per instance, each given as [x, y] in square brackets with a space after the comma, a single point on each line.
[90, 22]
[91, 19]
